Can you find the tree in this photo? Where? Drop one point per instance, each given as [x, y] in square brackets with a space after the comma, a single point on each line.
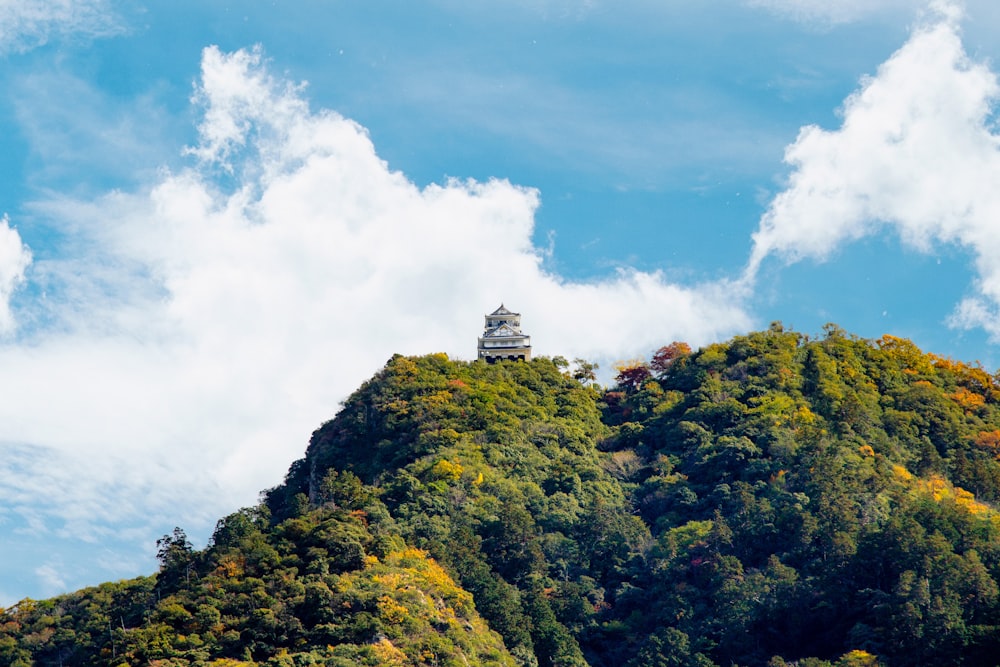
[631, 375]
[669, 647]
[174, 549]
[176, 555]
[585, 371]
[665, 357]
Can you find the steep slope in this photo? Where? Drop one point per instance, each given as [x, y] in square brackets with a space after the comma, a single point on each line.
[810, 497]
[770, 497]
[327, 587]
[768, 500]
[495, 470]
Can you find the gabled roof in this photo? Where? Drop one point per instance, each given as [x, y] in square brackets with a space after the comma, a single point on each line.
[504, 331]
[501, 311]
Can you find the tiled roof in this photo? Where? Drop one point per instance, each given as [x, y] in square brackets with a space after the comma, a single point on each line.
[501, 311]
[503, 331]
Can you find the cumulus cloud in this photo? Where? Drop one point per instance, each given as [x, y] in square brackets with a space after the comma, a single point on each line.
[26, 24]
[917, 154]
[194, 333]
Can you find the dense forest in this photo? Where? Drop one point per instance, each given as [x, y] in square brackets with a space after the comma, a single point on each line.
[773, 500]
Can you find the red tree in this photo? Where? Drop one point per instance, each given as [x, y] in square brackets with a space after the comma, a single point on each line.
[630, 377]
[667, 355]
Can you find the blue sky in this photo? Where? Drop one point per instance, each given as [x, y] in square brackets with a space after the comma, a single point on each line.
[220, 218]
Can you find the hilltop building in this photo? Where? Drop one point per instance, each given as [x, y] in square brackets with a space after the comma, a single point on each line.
[502, 337]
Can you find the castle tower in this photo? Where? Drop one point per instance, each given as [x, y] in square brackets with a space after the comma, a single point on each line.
[502, 337]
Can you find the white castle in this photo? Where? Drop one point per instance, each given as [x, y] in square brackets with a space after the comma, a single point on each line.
[502, 337]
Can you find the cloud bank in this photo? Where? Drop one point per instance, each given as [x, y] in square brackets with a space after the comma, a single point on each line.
[917, 154]
[186, 339]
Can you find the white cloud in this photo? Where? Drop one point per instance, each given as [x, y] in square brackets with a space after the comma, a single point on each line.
[14, 259]
[26, 24]
[196, 332]
[917, 153]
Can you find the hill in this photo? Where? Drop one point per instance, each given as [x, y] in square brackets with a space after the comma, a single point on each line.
[770, 500]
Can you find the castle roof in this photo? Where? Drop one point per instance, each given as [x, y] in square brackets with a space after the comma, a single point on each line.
[501, 311]
[503, 331]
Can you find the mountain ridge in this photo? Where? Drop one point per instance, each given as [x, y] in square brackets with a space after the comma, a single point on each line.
[773, 499]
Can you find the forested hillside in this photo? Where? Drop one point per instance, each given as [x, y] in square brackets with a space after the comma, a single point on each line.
[770, 500]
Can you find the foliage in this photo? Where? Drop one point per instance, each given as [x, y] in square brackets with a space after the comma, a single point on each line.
[326, 587]
[771, 500]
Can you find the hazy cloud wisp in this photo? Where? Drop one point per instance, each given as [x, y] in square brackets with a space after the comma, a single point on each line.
[827, 13]
[26, 24]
